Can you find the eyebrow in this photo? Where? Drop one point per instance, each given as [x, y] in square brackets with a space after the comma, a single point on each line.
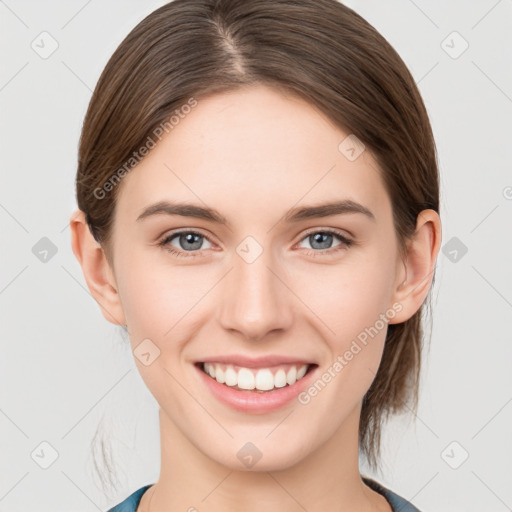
[294, 215]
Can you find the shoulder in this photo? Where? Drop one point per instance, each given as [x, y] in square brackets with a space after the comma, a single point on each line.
[397, 503]
[131, 503]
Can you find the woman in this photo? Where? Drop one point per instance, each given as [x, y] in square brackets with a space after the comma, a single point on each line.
[258, 204]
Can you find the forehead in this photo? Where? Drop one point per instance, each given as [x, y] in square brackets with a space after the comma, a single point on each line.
[253, 150]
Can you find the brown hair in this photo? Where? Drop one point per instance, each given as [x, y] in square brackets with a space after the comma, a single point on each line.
[320, 50]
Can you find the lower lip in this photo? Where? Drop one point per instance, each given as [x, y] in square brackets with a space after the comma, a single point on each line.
[252, 401]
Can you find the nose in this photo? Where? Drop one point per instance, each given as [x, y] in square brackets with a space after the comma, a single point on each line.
[256, 299]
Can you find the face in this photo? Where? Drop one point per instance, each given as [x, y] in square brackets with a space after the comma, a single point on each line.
[267, 280]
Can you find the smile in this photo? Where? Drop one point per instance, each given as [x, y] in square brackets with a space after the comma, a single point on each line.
[263, 379]
[255, 390]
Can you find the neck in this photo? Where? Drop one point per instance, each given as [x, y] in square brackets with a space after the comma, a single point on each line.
[326, 479]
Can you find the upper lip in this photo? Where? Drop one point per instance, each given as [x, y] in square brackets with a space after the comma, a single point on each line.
[256, 362]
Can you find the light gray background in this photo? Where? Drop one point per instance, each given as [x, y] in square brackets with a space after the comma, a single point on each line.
[64, 370]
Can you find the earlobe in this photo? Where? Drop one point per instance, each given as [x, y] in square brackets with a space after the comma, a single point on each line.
[415, 277]
[96, 269]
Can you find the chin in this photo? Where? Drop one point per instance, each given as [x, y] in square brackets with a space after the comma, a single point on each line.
[251, 456]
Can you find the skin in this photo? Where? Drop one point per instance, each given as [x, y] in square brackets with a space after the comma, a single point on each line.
[254, 154]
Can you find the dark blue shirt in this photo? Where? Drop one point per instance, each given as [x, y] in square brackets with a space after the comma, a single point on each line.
[398, 504]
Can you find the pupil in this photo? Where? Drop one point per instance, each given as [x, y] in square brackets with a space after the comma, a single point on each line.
[317, 237]
[189, 238]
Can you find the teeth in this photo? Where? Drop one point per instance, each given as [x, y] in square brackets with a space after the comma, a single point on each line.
[246, 379]
[291, 376]
[231, 376]
[280, 378]
[263, 379]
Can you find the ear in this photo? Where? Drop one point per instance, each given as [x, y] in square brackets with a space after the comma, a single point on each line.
[415, 274]
[96, 269]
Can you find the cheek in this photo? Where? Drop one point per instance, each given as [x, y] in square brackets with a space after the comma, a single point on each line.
[155, 297]
[160, 305]
[351, 306]
[350, 296]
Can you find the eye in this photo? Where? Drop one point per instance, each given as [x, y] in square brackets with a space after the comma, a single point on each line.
[322, 240]
[189, 242]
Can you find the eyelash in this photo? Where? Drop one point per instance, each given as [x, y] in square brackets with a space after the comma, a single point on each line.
[345, 244]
